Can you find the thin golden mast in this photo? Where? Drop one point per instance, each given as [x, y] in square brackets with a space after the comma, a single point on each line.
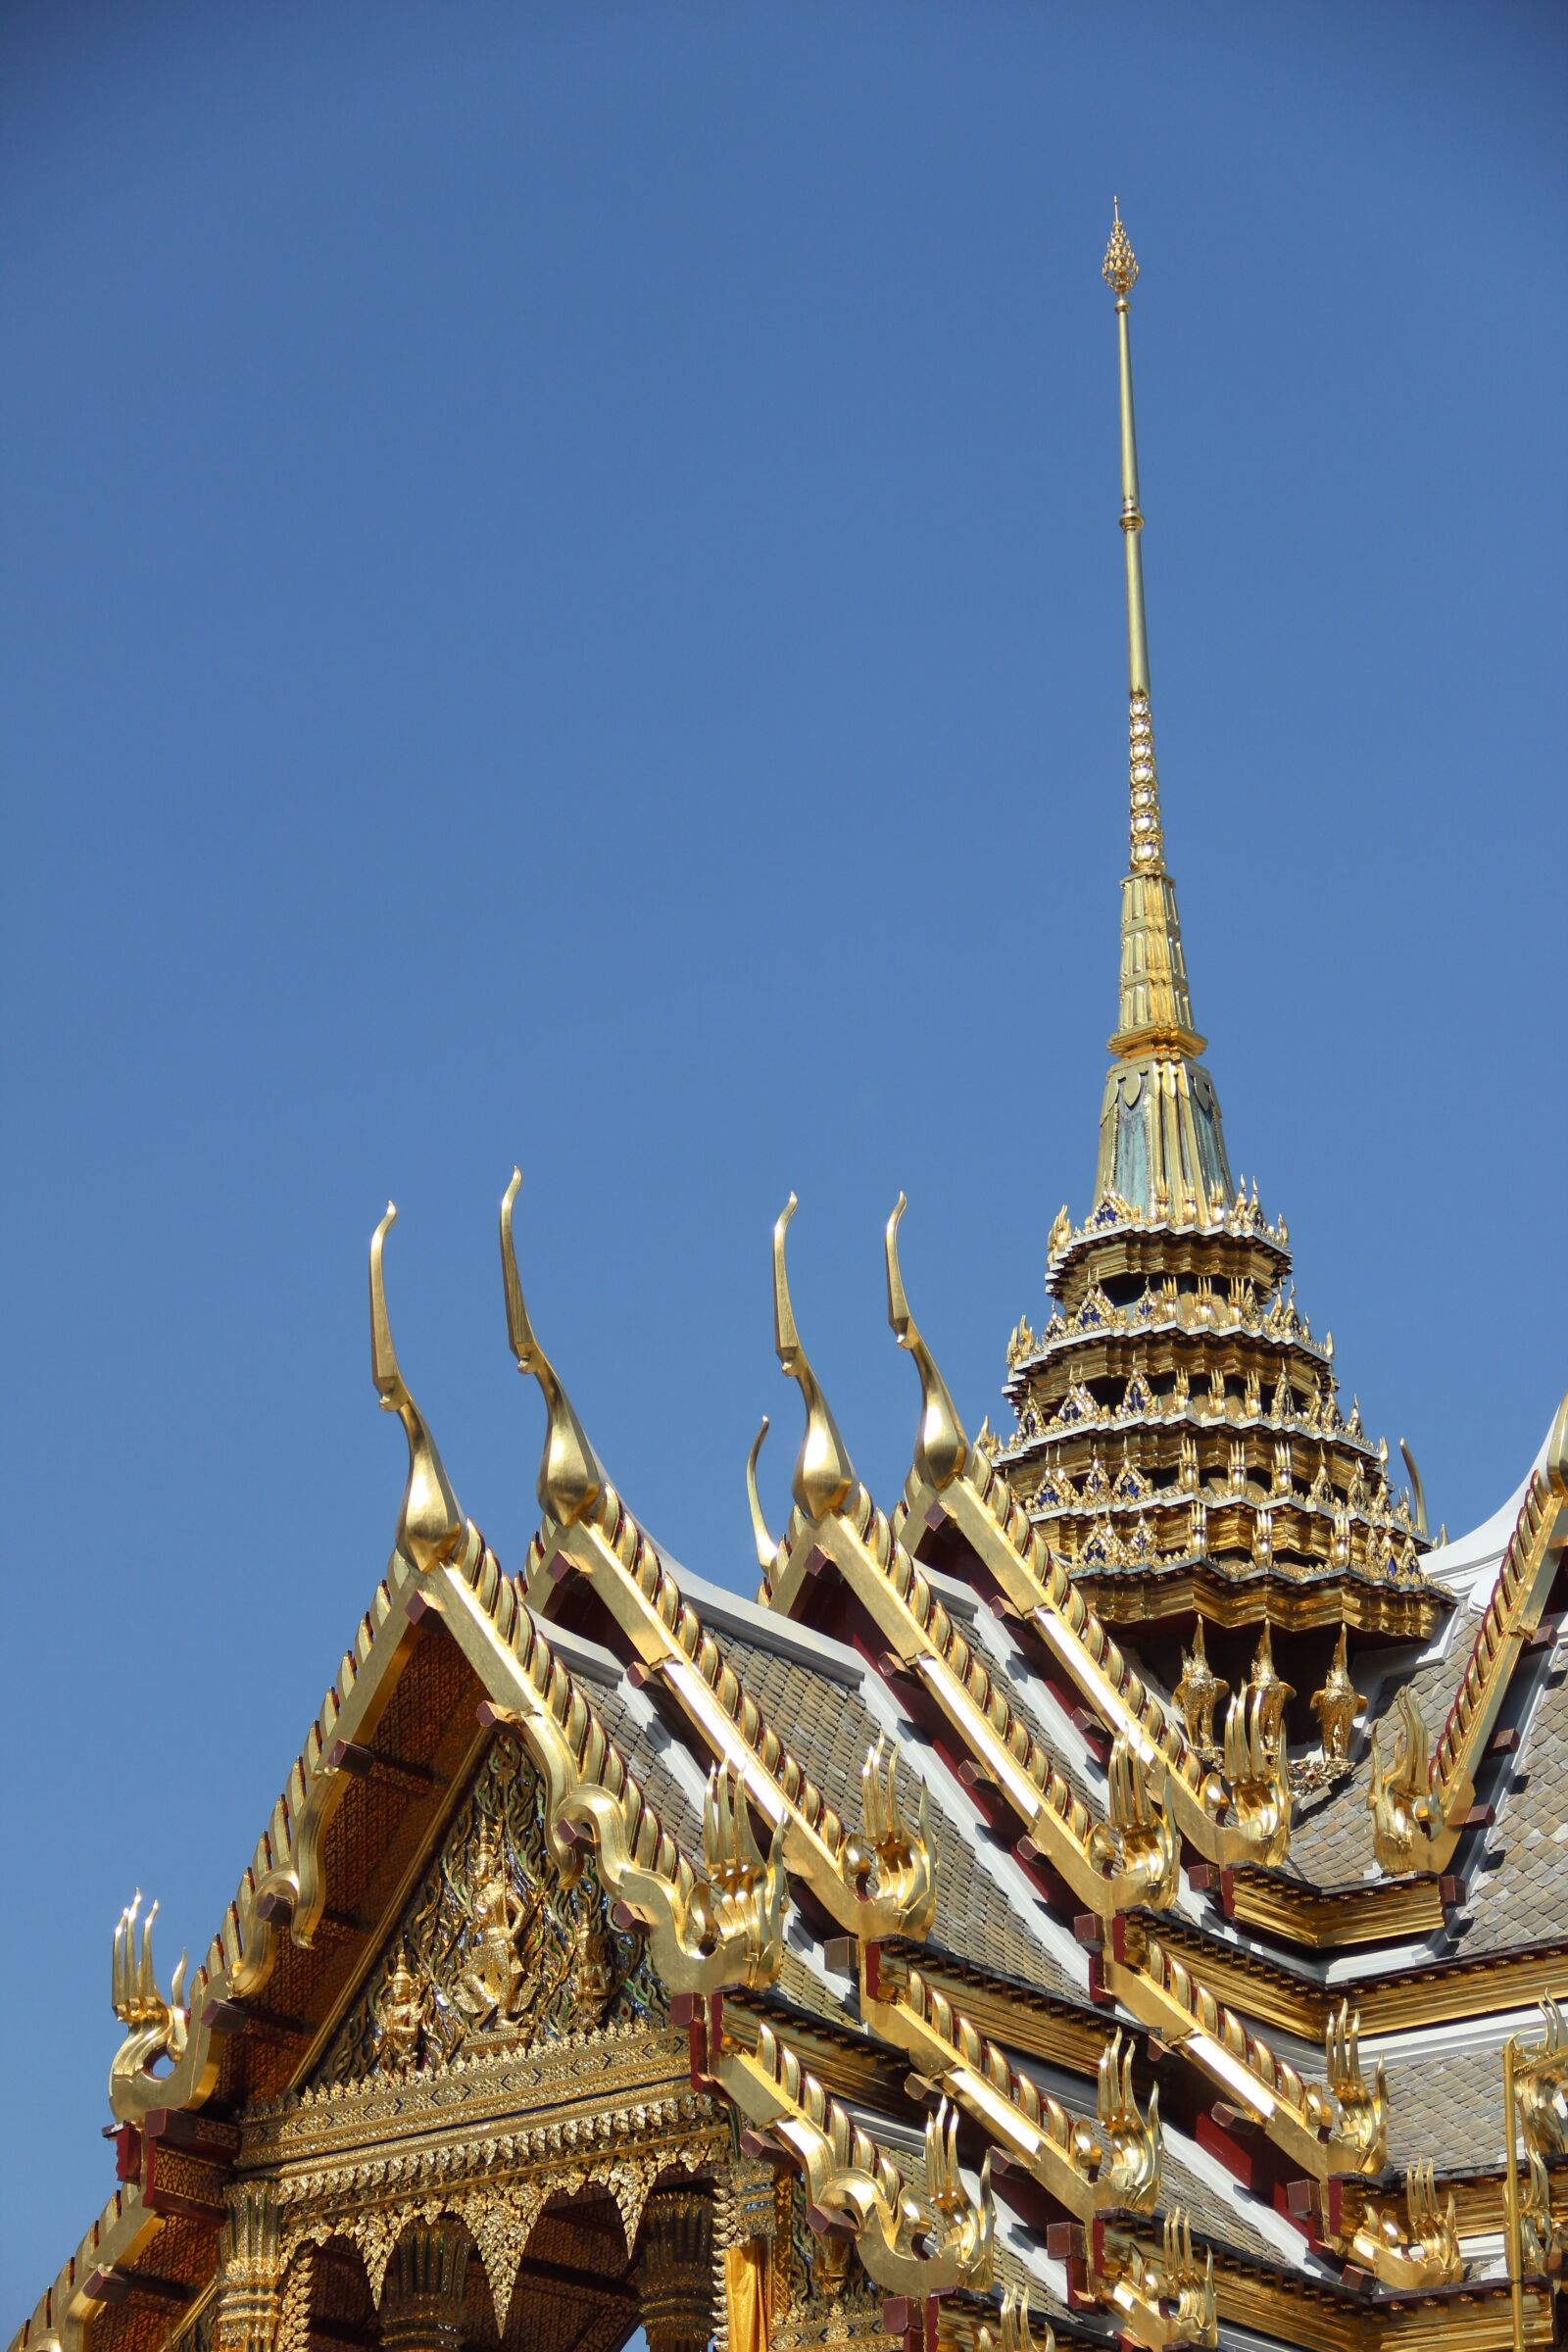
[1161, 1148]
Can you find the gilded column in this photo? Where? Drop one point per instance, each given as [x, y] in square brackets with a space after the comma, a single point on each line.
[251, 2274]
[421, 2303]
[674, 2273]
[745, 2207]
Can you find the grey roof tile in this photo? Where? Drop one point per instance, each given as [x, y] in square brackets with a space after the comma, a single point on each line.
[829, 1728]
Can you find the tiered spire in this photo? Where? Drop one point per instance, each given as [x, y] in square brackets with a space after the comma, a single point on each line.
[1161, 1146]
[1175, 1415]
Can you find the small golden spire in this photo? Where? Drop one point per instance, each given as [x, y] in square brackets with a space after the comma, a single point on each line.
[1119, 270]
[570, 1480]
[431, 1521]
[824, 1475]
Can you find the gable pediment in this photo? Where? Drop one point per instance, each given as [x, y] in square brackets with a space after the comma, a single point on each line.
[494, 1950]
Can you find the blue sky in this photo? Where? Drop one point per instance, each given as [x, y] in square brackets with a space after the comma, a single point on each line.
[562, 602]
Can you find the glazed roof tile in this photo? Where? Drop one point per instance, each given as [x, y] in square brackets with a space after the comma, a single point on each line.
[830, 1730]
[1519, 1892]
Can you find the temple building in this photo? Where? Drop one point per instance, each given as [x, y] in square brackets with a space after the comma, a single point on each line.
[1116, 1896]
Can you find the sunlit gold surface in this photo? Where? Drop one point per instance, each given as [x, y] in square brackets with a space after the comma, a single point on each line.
[611, 1953]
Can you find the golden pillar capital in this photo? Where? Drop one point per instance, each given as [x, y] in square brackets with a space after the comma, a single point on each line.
[421, 2303]
[250, 2273]
[674, 2269]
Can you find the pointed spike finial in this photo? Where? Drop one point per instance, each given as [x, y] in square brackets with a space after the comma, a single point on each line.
[1160, 1132]
[431, 1518]
[824, 1475]
[940, 1448]
[1119, 268]
[570, 1480]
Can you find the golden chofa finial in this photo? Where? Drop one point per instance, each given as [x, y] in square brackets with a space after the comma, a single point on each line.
[824, 1475]
[941, 1449]
[570, 1480]
[1119, 268]
[430, 1522]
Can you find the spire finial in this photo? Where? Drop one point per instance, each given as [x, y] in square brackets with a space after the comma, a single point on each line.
[1119, 270]
[1161, 1122]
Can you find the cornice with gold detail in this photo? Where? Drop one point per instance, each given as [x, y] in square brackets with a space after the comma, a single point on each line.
[452, 2147]
[1197, 1587]
[1472, 2317]
[1113, 1220]
[619, 2066]
[1339, 2126]
[1085, 2168]
[850, 2178]
[1064, 1346]
[1386, 1912]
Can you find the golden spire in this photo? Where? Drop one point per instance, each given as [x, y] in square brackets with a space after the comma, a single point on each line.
[1159, 1128]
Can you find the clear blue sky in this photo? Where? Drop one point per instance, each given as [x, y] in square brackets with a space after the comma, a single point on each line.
[561, 601]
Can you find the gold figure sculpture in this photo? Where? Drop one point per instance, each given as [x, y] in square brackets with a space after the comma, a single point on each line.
[1338, 1706]
[591, 1966]
[399, 2015]
[1199, 1691]
[497, 1983]
[1273, 1691]
[1399, 1793]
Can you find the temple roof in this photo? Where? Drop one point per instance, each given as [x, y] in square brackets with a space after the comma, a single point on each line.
[1108, 1878]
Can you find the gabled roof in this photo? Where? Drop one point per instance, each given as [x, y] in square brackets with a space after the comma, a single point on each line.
[856, 1890]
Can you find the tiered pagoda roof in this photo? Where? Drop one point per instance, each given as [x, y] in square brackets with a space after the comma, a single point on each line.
[999, 1964]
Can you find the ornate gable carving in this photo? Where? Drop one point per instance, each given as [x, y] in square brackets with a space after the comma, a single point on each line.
[494, 1951]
